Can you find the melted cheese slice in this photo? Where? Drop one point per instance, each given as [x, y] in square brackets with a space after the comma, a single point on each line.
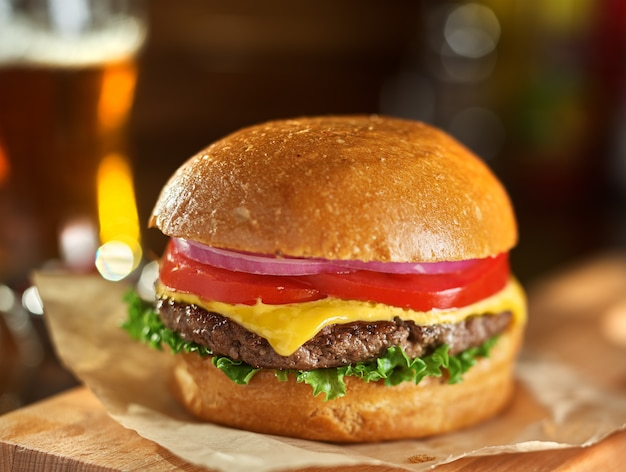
[287, 327]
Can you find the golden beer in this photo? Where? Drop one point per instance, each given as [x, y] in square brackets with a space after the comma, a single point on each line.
[64, 105]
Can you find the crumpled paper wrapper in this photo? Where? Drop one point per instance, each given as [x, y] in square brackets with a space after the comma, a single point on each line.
[570, 390]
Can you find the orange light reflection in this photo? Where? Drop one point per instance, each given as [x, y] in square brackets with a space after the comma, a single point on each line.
[116, 96]
[5, 169]
[117, 209]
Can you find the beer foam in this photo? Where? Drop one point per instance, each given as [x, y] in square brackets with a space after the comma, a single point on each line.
[22, 42]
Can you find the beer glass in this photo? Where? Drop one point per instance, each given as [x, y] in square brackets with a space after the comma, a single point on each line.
[67, 77]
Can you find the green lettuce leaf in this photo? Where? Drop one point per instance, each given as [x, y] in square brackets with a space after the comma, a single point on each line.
[393, 368]
[237, 371]
[143, 324]
[327, 381]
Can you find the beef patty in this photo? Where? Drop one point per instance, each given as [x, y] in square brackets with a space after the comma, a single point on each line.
[334, 346]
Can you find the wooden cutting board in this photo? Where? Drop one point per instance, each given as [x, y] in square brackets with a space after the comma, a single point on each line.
[72, 432]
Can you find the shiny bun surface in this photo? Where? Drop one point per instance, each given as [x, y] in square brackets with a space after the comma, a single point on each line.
[340, 187]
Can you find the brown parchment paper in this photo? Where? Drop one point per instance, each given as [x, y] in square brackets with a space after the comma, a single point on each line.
[571, 389]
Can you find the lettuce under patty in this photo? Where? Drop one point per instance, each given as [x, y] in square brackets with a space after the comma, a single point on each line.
[395, 367]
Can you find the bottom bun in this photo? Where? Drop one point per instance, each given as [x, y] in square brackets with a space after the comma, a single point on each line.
[368, 412]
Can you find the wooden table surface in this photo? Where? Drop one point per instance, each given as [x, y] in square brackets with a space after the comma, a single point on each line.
[72, 432]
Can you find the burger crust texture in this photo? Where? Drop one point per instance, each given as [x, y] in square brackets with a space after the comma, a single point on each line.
[368, 412]
[369, 188]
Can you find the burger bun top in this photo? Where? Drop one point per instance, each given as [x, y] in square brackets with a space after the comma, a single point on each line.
[368, 188]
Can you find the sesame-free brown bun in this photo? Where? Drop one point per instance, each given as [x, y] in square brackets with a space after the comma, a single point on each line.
[368, 412]
[340, 187]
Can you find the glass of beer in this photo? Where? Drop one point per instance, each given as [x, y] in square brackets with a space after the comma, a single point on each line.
[67, 77]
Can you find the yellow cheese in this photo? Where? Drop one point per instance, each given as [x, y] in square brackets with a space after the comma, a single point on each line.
[287, 327]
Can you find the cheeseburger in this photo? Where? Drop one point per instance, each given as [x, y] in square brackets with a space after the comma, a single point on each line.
[340, 278]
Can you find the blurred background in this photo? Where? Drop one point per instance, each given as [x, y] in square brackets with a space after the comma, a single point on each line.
[100, 101]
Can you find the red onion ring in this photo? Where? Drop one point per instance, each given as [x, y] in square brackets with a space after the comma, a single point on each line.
[252, 263]
[269, 265]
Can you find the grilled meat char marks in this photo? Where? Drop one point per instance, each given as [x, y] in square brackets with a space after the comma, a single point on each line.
[334, 346]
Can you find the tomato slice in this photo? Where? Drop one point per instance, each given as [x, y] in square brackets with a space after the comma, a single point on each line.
[211, 283]
[421, 292]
